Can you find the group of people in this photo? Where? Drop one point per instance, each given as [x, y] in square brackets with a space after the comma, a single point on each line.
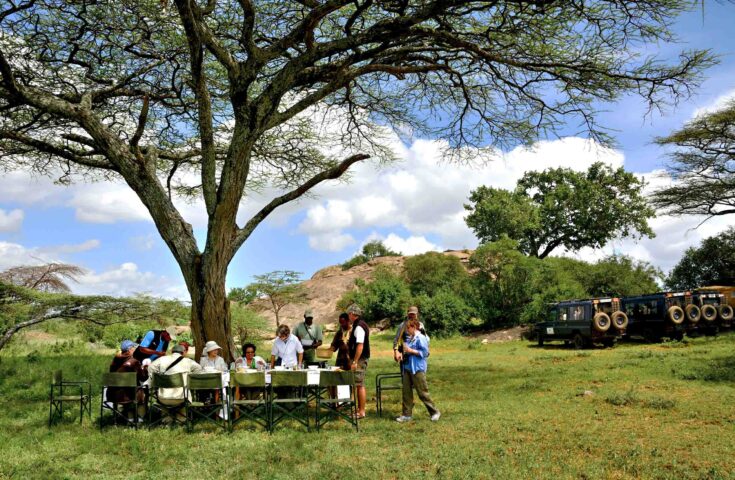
[290, 349]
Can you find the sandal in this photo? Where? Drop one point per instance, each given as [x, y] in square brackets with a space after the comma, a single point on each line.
[359, 417]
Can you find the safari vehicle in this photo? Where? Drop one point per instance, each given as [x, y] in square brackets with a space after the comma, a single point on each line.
[716, 312]
[583, 322]
[659, 315]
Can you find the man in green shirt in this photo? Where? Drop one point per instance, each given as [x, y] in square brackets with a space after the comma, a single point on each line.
[310, 335]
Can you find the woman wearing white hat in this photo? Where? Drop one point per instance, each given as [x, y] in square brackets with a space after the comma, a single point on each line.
[212, 360]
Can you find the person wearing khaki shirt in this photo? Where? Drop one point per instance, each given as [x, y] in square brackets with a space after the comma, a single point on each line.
[185, 365]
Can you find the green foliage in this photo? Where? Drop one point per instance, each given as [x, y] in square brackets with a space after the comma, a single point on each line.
[370, 250]
[242, 295]
[444, 313]
[245, 321]
[431, 272]
[560, 207]
[701, 166]
[386, 296]
[279, 288]
[713, 262]
[621, 275]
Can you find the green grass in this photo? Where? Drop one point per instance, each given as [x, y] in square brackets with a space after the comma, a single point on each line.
[509, 410]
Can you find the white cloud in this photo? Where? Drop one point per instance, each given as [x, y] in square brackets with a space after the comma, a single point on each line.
[106, 203]
[412, 245]
[13, 254]
[11, 221]
[126, 280]
[718, 104]
[330, 242]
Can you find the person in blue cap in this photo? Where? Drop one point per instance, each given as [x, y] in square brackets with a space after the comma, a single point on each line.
[126, 362]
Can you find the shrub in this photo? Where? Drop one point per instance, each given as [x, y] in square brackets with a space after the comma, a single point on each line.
[445, 313]
[386, 296]
[431, 272]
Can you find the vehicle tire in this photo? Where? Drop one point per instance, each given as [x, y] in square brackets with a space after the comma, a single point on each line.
[678, 336]
[709, 313]
[540, 340]
[579, 341]
[675, 315]
[601, 322]
[693, 313]
[619, 320]
[726, 313]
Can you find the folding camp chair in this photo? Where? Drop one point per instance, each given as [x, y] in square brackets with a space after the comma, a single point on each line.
[336, 408]
[383, 382]
[60, 394]
[209, 410]
[253, 404]
[178, 412]
[111, 385]
[287, 398]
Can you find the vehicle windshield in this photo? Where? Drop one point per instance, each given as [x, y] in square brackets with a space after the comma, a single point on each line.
[604, 307]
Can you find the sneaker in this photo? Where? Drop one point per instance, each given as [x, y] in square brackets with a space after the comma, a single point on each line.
[436, 416]
[403, 419]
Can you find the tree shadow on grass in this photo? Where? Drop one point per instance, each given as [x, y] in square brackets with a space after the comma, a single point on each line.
[716, 370]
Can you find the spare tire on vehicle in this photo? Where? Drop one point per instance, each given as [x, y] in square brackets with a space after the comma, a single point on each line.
[709, 313]
[675, 315]
[693, 313]
[726, 312]
[619, 320]
[601, 322]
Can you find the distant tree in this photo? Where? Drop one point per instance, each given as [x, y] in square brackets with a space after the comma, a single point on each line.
[385, 296]
[22, 307]
[51, 277]
[370, 250]
[431, 272]
[702, 166]
[242, 295]
[279, 288]
[711, 263]
[562, 208]
[621, 275]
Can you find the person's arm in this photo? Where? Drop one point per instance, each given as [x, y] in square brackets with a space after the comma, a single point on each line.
[358, 354]
[301, 357]
[398, 356]
[195, 367]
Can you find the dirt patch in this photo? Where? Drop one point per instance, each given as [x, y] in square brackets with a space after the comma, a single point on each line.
[39, 336]
[503, 335]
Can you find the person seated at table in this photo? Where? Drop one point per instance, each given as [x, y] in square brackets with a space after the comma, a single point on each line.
[287, 348]
[125, 362]
[186, 346]
[249, 359]
[212, 360]
[170, 365]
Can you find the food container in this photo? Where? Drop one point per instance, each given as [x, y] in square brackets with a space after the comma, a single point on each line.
[324, 352]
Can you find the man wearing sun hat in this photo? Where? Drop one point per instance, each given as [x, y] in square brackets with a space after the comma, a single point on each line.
[155, 343]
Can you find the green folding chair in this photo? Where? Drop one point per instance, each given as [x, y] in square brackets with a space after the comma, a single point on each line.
[253, 404]
[113, 384]
[200, 385]
[328, 409]
[175, 380]
[287, 398]
[384, 382]
[63, 391]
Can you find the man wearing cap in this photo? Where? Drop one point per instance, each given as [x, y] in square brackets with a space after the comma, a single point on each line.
[358, 347]
[154, 344]
[311, 336]
[170, 365]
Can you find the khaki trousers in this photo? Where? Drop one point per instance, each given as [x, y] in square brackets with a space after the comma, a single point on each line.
[416, 381]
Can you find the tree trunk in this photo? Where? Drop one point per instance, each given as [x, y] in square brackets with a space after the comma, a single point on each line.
[210, 310]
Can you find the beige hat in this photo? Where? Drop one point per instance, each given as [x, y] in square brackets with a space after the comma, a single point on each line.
[413, 309]
[308, 313]
[171, 331]
[354, 309]
[210, 346]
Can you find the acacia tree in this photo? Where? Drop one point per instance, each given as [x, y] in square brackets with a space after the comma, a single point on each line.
[711, 263]
[703, 166]
[50, 277]
[562, 208]
[278, 288]
[219, 98]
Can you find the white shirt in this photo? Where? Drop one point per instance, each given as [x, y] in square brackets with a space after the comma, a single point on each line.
[217, 364]
[185, 366]
[287, 351]
[359, 334]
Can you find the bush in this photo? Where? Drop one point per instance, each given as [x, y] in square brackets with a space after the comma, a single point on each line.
[445, 313]
[386, 296]
[431, 272]
[112, 335]
[369, 251]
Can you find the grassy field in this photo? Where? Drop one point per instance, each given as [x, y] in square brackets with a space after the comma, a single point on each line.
[510, 410]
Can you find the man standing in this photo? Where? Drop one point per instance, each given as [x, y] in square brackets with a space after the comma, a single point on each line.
[311, 336]
[286, 347]
[154, 344]
[358, 347]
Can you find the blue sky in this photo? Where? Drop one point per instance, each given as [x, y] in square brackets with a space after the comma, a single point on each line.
[413, 205]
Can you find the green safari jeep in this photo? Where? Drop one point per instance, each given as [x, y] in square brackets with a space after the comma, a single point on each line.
[583, 322]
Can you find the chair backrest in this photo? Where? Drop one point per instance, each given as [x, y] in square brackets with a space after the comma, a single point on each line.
[241, 379]
[288, 379]
[120, 379]
[205, 381]
[175, 380]
[332, 379]
[56, 377]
